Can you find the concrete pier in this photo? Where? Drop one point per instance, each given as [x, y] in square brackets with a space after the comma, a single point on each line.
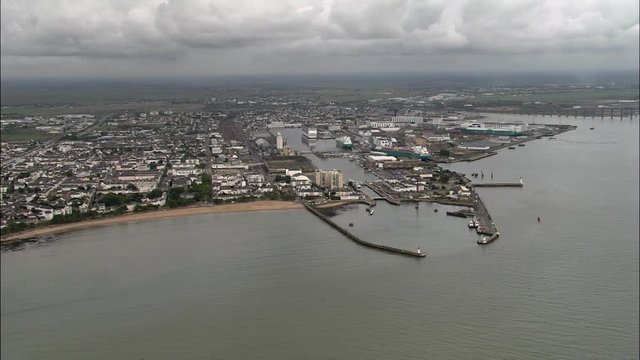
[378, 190]
[518, 184]
[360, 241]
[486, 225]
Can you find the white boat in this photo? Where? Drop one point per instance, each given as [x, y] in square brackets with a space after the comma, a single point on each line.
[310, 132]
[473, 223]
[344, 142]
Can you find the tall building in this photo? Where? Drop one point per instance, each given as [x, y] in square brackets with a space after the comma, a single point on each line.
[279, 141]
[329, 179]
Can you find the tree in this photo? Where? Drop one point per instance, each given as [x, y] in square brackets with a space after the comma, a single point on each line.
[111, 199]
[132, 187]
[24, 175]
[154, 194]
[68, 173]
[153, 166]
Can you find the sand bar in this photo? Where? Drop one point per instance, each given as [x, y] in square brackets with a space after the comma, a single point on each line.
[268, 205]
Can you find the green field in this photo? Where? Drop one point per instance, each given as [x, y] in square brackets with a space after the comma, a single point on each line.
[22, 134]
[569, 97]
[16, 111]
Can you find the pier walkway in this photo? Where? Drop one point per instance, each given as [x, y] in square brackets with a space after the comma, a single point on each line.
[516, 184]
[382, 194]
[486, 225]
[360, 241]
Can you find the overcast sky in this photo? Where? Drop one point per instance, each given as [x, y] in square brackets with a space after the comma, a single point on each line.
[217, 37]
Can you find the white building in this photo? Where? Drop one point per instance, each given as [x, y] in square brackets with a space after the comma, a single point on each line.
[279, 141]
[407, 119]
[384, 142]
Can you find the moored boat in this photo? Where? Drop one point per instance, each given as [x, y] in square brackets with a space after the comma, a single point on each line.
[415, 152]
[344, 142]
[310, 132]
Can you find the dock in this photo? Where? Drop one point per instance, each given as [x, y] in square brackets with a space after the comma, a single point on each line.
[486, 225]
[360, 241]
[516, 184]
[382, 194]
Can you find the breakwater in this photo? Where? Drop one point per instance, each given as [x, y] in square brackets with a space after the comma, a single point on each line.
[360, 241]
[516, 184]
[485, 223]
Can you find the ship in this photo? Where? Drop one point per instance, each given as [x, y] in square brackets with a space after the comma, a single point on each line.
[344, 142]
[310, 132]
[494, 129]
[416, 152]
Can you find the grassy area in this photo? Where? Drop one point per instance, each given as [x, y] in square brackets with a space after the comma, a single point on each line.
[22, 134]
[17, 111]
[573, 97]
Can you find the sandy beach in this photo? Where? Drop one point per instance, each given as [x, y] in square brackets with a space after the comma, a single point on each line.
[270, 205]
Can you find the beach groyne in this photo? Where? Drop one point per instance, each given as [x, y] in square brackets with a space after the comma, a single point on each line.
[360, 241]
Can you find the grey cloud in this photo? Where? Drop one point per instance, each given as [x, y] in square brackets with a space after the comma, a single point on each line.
[173, 29]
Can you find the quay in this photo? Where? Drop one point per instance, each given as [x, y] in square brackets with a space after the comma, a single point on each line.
[360, 241]
[485, 223]
[518, 184]
[383, 194]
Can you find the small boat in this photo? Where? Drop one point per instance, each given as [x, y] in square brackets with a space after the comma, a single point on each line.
[483, 240]
[511, 147]
[479, 230]
[350, 224]
[417, 206]
[435, 210]
[521, 145]
[552, 138]
[590, 128]
[371, 212]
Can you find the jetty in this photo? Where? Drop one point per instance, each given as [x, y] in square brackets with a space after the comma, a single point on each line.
[360, 241]
[496, 184]
[485, 223]
[382, 194]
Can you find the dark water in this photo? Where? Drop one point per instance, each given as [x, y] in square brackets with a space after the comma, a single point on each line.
[350, 168]
[277, 285]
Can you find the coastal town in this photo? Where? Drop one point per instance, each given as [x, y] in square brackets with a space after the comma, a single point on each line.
[236, 150]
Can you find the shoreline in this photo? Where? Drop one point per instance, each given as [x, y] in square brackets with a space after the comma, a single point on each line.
[266, 205]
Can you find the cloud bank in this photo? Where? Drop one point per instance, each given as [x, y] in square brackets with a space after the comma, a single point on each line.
[305, 34]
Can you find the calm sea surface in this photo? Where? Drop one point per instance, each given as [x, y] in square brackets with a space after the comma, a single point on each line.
[282, 285]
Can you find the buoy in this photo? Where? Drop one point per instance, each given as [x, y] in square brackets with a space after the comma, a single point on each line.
[538, 218]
